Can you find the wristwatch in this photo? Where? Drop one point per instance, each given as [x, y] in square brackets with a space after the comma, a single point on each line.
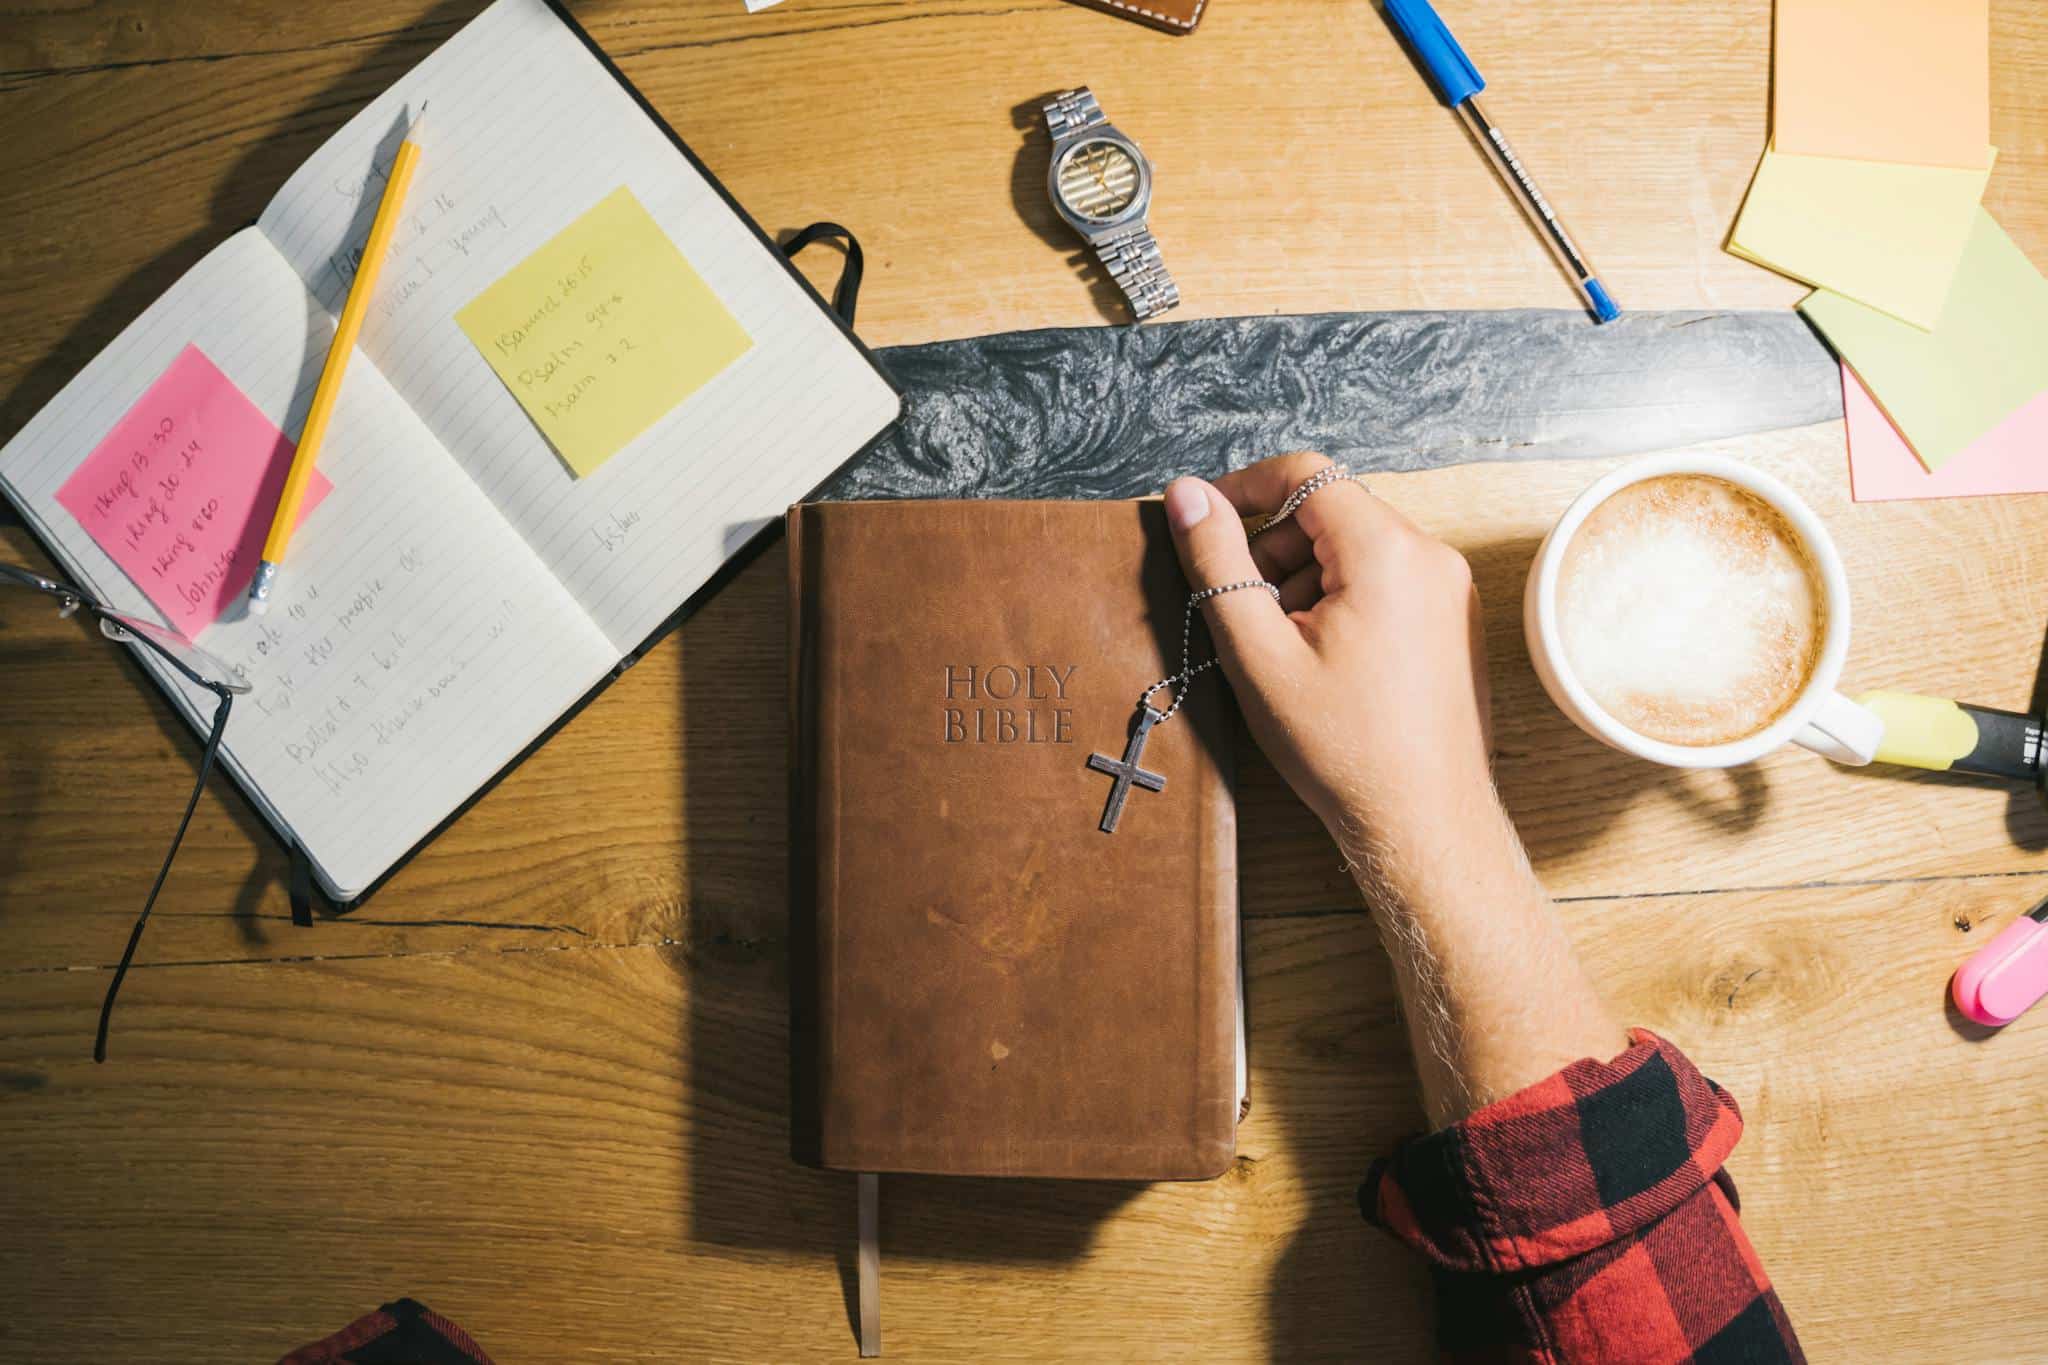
[1102, 185]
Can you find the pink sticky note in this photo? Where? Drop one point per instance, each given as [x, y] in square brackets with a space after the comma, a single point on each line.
[2012, 457]
[182, 491]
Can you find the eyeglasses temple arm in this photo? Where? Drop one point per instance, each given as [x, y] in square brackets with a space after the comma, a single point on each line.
[220, 724]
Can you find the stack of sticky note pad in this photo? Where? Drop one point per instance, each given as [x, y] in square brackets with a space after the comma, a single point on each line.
[1869, 190]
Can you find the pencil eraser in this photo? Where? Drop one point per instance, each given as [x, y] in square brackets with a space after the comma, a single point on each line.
[259, 606]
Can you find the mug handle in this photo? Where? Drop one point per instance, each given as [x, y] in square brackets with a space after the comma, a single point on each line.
[1843, 731]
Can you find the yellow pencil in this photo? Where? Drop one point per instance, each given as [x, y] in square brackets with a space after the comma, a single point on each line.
[345, 332]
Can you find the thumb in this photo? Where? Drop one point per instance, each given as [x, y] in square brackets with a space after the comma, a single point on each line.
[1248, 626]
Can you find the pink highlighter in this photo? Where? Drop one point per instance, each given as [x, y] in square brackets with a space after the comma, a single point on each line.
[2008, 974]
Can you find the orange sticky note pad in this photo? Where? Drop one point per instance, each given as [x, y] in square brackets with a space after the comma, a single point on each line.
[181, 492]
[1883, 80]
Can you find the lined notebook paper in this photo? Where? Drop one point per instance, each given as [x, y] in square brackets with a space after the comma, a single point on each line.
[460, 588]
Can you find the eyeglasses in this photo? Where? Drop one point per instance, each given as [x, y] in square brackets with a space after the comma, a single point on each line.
[191, 662]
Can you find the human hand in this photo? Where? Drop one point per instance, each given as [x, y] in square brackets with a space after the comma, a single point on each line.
[1366, 686]
[1366, 683]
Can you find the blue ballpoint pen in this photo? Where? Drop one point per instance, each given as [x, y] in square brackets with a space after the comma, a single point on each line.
[1458, 82]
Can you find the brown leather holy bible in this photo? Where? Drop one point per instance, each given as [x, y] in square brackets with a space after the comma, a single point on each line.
[983, 981]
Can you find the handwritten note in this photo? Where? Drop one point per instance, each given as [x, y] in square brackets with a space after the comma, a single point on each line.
[181, 492]
[602, 331]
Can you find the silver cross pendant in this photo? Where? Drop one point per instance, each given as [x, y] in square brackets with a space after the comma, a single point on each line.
[1126, 771]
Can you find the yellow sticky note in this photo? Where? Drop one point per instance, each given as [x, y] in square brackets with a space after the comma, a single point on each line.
[603, 330]
[1882, 80]
[1986, 357]
[1889, 236]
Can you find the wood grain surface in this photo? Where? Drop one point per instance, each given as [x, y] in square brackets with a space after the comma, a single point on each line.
[538, 1082]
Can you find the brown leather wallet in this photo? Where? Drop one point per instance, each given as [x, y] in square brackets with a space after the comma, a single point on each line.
[1174, 16]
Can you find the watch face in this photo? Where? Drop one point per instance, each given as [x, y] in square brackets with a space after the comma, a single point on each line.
[1099, 180]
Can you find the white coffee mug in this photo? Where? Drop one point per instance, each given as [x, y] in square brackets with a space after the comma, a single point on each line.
[1822, 719]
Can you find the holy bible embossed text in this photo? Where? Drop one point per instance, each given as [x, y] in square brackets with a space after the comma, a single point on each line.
[982, 983]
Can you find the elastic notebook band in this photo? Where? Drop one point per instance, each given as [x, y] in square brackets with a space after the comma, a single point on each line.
[848, 293]
[301, 886]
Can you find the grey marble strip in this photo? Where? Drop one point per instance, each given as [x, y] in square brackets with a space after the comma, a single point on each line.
[1102, 412]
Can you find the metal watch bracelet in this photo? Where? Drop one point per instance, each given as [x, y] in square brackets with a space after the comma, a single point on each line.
[1071, 112]
[1132, 258]
[1133, 262]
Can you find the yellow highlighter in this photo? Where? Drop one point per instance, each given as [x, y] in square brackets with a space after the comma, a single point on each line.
[375, 248]
[1947, 736]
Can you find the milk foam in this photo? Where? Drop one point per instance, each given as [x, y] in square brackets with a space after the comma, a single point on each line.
[1690, 611]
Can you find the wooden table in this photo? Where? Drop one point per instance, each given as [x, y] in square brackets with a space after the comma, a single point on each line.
[539, 1080]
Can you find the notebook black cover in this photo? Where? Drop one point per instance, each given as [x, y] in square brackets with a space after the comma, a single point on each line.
[301, 885]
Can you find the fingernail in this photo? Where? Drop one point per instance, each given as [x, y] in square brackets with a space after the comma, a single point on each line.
[1187, 502]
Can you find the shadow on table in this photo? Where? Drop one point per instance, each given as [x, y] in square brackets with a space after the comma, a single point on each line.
[1029, 196]
[745, 1191]
[1337, 1079]
[2026, 814]
[24, 748]
[1962, 1025]
[1563, 787]
[1333, 1087]
[146, 744]
[244, 189]
[1331, 1071]
[2026, 817]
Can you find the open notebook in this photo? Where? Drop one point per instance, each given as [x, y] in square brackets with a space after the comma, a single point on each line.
[460, 590]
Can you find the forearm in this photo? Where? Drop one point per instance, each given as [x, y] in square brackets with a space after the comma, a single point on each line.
[1571, 1197]
[1494, 996]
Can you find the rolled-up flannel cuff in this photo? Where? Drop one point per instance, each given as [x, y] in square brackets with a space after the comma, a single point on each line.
[1594, 1153]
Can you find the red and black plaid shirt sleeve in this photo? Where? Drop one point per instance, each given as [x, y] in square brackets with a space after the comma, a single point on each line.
[1588, 1219]
[404, 1332]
